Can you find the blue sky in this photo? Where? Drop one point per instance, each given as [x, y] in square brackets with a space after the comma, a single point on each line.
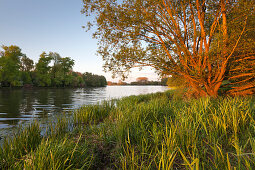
[54, 25]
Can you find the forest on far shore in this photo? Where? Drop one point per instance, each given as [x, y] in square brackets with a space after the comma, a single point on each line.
[51, 70]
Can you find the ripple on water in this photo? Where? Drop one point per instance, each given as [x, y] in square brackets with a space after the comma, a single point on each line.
[8, 119]
[5, 126]
[21, 105]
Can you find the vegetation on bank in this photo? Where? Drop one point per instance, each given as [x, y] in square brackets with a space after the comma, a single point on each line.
[207, 44]
[162, 82]
[51, 70]
[154, 131]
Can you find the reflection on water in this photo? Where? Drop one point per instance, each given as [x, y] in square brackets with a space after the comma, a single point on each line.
[18, 106]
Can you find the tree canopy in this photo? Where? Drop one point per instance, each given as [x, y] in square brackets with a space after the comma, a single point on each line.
[51, 70]
[9, 65]
[203, 42]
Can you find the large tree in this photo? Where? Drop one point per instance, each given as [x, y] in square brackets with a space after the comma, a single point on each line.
[185, 38]
[10, 65]
[240, 71]
[61, 70]
[42, 70]
[56, 78]
[27, 64]
[26, 67]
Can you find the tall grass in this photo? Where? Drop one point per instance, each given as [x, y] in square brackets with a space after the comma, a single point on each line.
[92, 114]
[24, 141]
[155, 131]
[58, 154]
[206, 133]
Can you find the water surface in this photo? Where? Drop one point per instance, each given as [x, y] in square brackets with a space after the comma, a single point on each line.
[18, 106]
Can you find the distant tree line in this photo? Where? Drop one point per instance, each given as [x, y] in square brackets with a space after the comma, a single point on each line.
[163, 82]
[51, 70]
[140, 81]
[145, 81]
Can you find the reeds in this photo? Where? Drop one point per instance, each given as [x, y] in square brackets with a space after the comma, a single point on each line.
[58, 154]
[155, 131]
[22, 143]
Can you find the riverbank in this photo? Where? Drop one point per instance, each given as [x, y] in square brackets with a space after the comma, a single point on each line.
[155, 131]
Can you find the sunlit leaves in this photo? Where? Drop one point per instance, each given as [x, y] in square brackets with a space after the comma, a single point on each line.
[187, 37]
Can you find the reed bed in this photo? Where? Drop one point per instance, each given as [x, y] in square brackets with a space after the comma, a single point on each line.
[155, 131]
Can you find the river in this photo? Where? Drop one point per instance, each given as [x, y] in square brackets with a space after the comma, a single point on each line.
[19, 106]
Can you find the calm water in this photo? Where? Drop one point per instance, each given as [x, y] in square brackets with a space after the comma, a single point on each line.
[18, 106]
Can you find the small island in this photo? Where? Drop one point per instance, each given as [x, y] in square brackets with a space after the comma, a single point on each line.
[51, 70]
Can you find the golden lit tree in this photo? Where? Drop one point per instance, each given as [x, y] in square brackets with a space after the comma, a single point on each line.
[186, 38]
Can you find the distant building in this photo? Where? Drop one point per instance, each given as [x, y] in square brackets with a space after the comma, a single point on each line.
[109, 83]
[122, 83]
[142, 79]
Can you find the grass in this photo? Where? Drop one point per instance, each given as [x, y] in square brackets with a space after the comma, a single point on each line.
[155, 131]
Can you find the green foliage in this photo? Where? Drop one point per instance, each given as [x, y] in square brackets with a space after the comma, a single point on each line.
[42, 70]
[92, 80]
[16, 69]
[9, 66]
[27, 64]
[164, 81]
[78, 80]
[176, 82]
[61, 70]
[26, 77]
[26, 68]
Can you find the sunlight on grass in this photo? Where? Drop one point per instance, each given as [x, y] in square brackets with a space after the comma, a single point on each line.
[155, 131]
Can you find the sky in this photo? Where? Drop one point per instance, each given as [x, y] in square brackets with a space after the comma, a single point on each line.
[55, 25]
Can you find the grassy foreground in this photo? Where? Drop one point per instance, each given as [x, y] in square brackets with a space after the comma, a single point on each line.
[155, 131]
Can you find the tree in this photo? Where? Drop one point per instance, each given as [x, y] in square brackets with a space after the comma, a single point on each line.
[67, 65]
[26, 67]
[142, 79]
[56, 76]
[163, 81]
[188, 39]
[77, 80]
[42, 70]
[92, 80]
[240, 72]
[61, 70]
[10, 65]
[27, 64]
